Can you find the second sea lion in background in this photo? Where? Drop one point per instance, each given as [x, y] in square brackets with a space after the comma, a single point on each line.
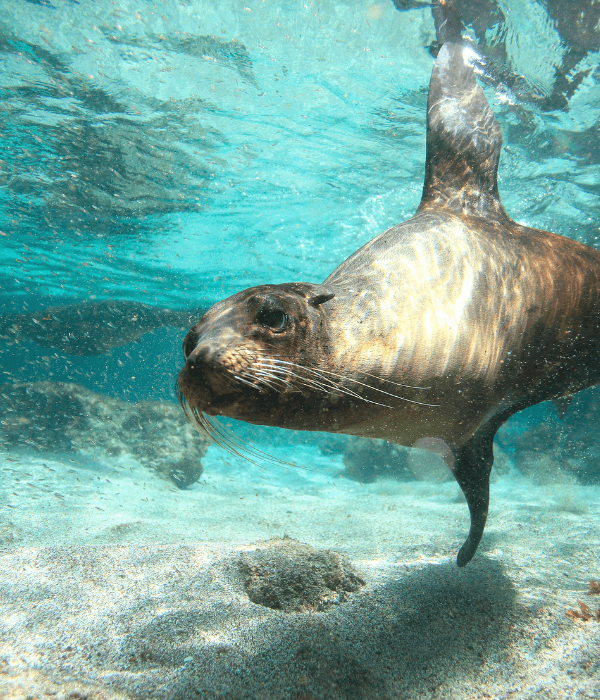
[92, 327]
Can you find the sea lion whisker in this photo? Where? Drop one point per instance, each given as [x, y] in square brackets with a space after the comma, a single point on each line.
[264, 379]
[389, 381]
[285, 372]
[372, 376]
[234, 445]
[262, 371]
[245, 381]
[304, 381]
[222, 440]
[196, 419]
[395, 396]
[368, 386]
[331, 386]
[326, 384]
[204, 426]
[275, 359]
[307, 382]
[178, 393]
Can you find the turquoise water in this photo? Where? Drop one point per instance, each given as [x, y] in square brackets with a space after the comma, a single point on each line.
[159, 155]
[173, 153]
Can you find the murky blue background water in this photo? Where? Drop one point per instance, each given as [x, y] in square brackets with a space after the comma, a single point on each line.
[173, 153]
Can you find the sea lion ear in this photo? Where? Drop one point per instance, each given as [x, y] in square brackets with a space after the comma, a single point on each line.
[319, 299]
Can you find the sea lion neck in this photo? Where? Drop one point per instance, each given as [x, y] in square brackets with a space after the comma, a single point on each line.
[463, 142]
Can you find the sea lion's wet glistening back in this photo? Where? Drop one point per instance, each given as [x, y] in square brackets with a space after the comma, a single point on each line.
[431, 335]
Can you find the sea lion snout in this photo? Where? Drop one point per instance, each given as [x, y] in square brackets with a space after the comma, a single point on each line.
[214, 358]
[223, 352]
[202, 348]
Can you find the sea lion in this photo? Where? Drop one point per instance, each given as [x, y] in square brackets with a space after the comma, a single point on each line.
[432, 335]
[91, 327]
[490, 34]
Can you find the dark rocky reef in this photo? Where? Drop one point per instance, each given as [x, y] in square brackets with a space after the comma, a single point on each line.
[556, 450]
[284, 574]
[368, 460]
[92, 327]
[57, 417]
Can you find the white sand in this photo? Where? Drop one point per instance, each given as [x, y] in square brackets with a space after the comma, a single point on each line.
[114, 584]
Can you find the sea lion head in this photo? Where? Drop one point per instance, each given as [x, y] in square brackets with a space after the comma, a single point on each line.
[254, 351]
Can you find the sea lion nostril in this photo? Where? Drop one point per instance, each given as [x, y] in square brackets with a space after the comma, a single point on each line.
[205, 359]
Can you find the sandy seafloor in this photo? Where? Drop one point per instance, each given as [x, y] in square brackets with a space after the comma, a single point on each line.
[115, 584]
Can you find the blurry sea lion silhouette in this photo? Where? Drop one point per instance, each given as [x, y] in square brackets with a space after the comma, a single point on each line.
[576, 26]
[92, 327]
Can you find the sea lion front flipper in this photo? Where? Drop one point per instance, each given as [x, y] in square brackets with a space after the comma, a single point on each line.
[471, 469]
[463, 141]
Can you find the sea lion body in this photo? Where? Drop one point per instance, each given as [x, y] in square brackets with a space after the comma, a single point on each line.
[418, 320]
[488, 315]
[432, 334]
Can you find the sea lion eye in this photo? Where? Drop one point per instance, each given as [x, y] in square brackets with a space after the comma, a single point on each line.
[275, 319]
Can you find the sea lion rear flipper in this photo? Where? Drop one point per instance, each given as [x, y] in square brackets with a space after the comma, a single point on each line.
[471, 469]
[463, 141]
